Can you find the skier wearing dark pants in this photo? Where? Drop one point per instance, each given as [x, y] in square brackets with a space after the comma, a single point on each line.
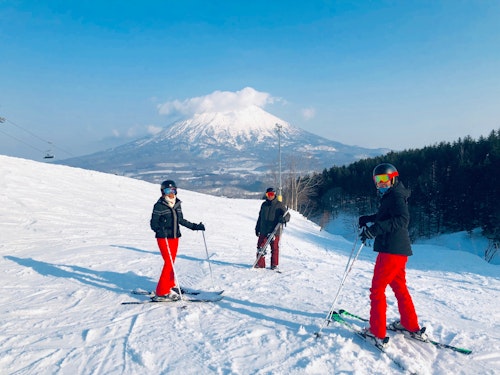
[270, 214]
[165, 220]
[392, 242]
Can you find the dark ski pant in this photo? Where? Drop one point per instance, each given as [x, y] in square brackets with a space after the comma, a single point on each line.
[390, 269]
[168, 248]
[275, 251]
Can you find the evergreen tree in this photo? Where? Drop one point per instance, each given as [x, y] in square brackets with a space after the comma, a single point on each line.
[454, 187]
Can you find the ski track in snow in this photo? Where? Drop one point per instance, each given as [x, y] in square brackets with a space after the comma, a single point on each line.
[75, 243]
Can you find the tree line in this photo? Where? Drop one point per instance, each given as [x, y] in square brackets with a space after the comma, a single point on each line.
[454, 187]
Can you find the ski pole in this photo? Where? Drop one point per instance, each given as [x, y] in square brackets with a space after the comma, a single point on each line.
[348, 268]
[261, 251]
[208, 260]
[173, 270]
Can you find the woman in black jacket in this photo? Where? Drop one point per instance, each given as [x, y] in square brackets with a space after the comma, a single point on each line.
[392, 242]
[165, 220]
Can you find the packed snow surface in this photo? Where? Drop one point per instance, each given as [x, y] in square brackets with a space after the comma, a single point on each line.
[76, 242]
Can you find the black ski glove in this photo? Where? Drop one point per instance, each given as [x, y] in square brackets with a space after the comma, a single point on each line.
[363, 220]
[282, 220]
[199, 227]
[366, 235]
[257, 233]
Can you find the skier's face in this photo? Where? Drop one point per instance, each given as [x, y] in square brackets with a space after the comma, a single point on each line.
[382, 181]
[270, 195]
[170, 192]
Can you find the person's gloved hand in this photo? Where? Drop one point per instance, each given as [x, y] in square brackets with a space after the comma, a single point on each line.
[199, 226]
[363, 220]
[366, 234]
[257, 233]
[282, 220]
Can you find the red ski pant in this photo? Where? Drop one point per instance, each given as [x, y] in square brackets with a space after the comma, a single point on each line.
[390, 269]
[275, 251]
[168, 248]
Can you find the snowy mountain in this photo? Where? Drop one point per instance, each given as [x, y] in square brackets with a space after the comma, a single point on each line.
[231, 153]
[75, 242]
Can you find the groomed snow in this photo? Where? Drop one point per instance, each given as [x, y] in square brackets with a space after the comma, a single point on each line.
[75, 242]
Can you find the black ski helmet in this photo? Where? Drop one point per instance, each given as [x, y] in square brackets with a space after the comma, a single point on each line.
[386, 168]
[168, 184]
[270, 190]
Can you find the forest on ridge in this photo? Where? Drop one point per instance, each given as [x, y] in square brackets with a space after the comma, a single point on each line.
[454, 187]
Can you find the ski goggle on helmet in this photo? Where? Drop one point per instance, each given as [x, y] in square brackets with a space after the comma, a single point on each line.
[384, 173]
[168, 191]
[270, 193]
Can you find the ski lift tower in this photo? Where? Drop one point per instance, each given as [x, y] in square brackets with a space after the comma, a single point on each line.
[280, 188]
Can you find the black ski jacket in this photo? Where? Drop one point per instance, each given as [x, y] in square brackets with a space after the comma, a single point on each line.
[165, 220]
[271, 211]
[391, 222]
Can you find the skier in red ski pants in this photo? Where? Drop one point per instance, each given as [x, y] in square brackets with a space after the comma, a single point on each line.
[165, 220]
[392, 242]
[272, 212]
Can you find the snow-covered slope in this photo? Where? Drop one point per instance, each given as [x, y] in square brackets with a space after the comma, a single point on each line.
[75, 242]
[231, 153]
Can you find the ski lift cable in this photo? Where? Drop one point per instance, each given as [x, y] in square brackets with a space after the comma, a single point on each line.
[20, 140]
[26, 130]
[3, 119]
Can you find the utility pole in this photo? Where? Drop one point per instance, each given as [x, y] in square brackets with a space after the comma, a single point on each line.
[280, 188]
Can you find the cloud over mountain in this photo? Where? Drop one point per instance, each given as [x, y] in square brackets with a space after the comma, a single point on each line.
[217, 102]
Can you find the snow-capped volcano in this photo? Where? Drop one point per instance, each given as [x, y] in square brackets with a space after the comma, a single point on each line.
[251, 124]
[229, 153]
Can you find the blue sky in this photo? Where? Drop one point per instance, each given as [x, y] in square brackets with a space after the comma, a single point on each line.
[88, 75]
